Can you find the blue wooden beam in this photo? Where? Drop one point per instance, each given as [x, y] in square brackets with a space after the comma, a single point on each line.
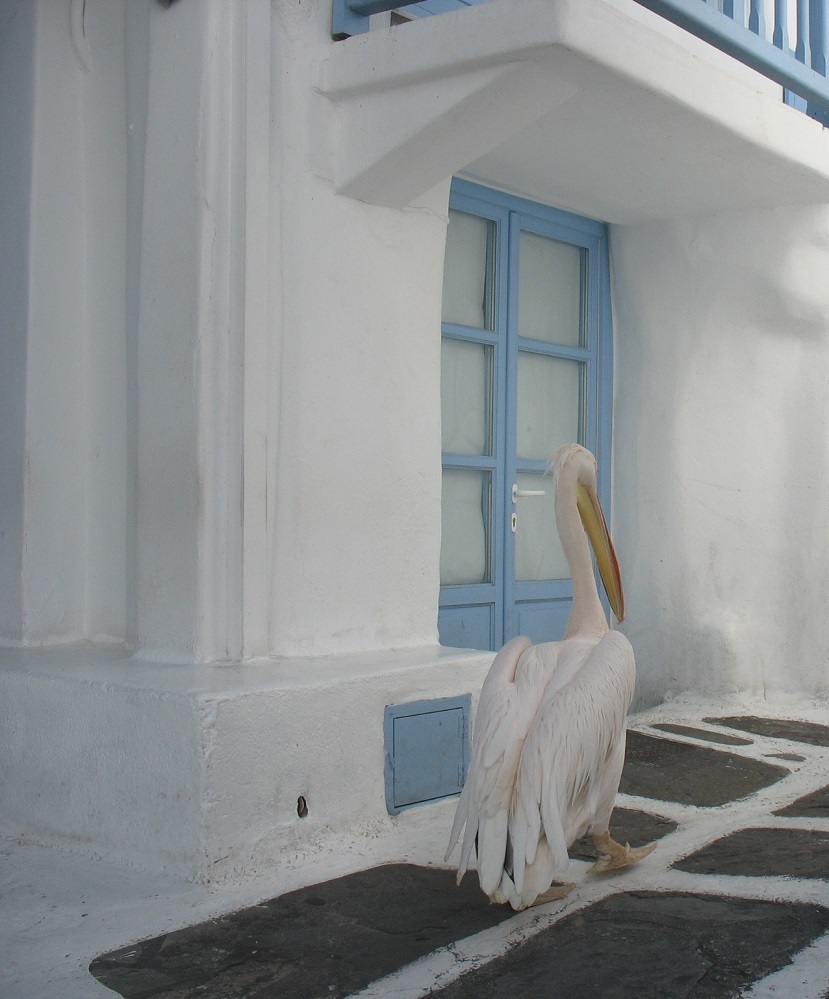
[350, 17]
[819, 31]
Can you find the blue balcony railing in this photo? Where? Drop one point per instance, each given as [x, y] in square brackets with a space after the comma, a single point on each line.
[790, 50]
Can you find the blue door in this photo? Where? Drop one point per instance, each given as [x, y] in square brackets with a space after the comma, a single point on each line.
[525, 367]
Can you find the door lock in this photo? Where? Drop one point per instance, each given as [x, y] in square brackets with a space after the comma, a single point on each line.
[514, 522]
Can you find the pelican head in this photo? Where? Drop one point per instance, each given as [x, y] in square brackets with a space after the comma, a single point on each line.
[575, 476]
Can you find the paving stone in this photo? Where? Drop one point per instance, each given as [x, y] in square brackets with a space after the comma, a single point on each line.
[702, 733]
[777, 728]
[795, 853]
[811, 806]
[327, 940]
[630, 826]
[650, 945]
[692, 775]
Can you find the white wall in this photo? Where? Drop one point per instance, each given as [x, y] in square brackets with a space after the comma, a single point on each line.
[231, 418]
[188, 331]
[178, 238]
[722, 470]
[17, 81]
[358, 501]
[355, 415]
[63, 204]
[248, 259]
[220, 404]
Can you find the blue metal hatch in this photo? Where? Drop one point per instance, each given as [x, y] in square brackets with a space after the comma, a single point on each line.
[427, 750]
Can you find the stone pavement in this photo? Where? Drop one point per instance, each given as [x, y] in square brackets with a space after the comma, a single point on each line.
[735, 900]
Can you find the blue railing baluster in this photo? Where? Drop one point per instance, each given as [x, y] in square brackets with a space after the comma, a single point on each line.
[757, 18]
[818, 13]
[806, 78]
[780, 35]
[803, 48]
[736, 10]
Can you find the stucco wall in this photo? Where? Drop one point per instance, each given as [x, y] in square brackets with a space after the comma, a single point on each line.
[63, 361]
[220, 408]
[359, 465]
[721, 474]
[342, 436]
[16, 79]
[230, 412]
[179, 235]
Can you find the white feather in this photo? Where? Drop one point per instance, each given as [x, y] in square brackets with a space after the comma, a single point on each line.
[549, 731]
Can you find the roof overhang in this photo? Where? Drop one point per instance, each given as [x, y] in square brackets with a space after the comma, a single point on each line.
[597, 106]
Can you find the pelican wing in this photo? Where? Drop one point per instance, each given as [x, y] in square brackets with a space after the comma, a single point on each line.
[568, 755]
[509, 699]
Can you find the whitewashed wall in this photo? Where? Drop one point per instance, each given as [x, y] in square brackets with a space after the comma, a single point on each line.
[221, 378]
[722, 450]
[64, 371]
[352, 411]
[220, 392]
[178, 236]
[17, 81]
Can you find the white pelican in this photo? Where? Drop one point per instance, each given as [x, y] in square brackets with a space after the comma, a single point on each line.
[549, 738]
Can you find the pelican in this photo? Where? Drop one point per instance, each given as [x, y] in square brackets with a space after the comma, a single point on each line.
[549, 738]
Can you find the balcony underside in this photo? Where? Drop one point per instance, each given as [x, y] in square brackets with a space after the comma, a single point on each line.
[597, 106]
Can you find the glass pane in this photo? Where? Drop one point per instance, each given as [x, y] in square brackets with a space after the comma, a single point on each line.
[467, 271]
[466, 525]
[465, 396]
[550, 404]
[538, 552]
[550, 290]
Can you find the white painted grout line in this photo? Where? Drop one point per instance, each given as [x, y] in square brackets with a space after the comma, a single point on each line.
[805, 978]
[443, 966]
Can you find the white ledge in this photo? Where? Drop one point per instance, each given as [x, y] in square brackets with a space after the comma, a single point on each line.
[114, 667]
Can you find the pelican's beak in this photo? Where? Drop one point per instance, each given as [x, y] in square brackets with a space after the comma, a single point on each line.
[592, 517]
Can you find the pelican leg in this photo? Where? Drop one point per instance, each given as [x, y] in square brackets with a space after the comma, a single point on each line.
[613, 856]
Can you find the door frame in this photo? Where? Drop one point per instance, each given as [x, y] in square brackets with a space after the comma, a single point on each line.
[511, 215]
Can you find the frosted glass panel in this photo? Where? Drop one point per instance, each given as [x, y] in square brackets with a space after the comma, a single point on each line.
[538, 553]
[550, 290]
[465, 396]
[466, 271]
[550, 391]
[465, 526]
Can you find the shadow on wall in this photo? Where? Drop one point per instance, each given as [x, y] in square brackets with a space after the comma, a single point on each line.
[722, 492]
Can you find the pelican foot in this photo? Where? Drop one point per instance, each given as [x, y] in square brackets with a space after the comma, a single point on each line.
[613, 856]
[553, 894]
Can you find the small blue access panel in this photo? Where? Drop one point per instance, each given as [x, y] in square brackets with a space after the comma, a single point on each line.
[427, 750]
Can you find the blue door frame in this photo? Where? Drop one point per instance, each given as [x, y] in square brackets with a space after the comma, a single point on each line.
[489, 613]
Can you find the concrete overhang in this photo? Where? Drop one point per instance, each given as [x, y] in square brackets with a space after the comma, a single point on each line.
[597, 106]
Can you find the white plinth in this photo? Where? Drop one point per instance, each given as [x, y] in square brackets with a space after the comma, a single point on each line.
[196, 770]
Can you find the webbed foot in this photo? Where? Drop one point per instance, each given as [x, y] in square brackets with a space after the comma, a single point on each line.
[554, 893]
[613, 856]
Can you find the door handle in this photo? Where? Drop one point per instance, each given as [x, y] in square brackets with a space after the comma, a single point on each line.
[516, 492]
